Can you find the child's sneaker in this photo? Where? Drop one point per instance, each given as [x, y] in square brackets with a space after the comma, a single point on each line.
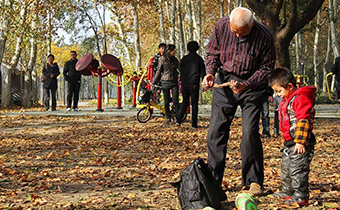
[282, 195]
[299, 201]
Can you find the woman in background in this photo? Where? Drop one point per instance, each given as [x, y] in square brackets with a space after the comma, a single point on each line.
[167, 72]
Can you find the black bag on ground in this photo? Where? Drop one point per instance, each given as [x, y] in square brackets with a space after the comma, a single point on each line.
[197, 188]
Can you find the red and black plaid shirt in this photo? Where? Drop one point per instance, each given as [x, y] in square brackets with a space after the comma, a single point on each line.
[251, 57]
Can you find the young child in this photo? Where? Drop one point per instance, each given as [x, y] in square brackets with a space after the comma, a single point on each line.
[296, 114]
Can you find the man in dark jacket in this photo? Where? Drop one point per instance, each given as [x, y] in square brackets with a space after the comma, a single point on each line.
[192, 69]
[50, 72]
[336, 71]
[73, 78]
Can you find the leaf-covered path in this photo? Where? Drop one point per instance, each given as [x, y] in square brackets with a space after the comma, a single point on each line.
[51, 162]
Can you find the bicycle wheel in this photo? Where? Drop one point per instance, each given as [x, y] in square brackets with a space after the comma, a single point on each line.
[144, 115]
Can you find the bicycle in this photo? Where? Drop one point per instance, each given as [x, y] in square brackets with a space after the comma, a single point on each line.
[147, 105]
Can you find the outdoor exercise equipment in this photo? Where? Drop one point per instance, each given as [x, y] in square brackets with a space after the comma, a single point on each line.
[87, 65]
[330, 74]
[301, 80]
[131, 75]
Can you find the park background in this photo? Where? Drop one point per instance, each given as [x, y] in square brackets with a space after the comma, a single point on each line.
[306, 38]
[91, 160]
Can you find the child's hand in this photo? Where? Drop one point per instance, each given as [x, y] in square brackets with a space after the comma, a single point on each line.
[299, 148]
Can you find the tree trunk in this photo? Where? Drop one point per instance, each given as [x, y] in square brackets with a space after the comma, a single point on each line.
[229, 7]
[122, 35]
[298, 46]
[103, 23]
[284, 29]
[7, 80]
[316, 50]
[327, 65]
[282, 59]
[198, 25]
[161, 22]
[173, 23]
[3, 38]
[190, 22]
[28, 93]
[238, 3]
[333, 15]
[136, 35]
[181, 30]
[27, 100]
[222, 8]
[49, 31]
[200, 40]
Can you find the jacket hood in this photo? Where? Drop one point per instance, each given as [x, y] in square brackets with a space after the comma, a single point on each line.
[307, 91]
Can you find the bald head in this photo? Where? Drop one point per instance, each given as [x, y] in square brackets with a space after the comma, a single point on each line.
[241, 17]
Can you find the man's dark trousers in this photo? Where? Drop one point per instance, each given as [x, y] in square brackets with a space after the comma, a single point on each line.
[189, 92]
[224, 105]
[73, 92]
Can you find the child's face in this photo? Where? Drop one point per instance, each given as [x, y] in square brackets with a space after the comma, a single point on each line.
[283, 92]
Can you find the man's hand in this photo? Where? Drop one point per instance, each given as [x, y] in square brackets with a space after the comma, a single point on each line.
[299, 148]
[208, 82]
[51, 76]
[237, 87]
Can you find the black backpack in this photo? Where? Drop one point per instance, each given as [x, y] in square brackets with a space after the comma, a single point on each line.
[197, 187]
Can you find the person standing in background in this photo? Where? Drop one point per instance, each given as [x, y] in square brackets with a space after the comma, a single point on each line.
[161, 48]
[167, 72]
[50, 72]
[191, 70]
[73, 78]
[268, 98]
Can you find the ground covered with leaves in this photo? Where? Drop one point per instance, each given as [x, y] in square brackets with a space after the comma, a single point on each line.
[50, 162]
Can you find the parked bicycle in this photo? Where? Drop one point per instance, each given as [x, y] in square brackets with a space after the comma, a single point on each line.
[147, 105]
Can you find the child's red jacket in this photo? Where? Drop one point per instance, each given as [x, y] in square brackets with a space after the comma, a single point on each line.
[297, 116]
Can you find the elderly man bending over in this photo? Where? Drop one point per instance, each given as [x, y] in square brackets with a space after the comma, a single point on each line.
[242, 50]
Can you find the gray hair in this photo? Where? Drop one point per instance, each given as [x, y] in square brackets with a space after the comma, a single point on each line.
[241, 16]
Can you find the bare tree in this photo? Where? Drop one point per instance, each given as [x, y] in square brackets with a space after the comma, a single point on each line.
[229, 7]
[190, 20]
[122, 35]
[3, 30]
[173, 22]
[181, 30]
[327, 64]
[161, 22]
[239, 3]
[136, 33]
[333, 19]
[7, 74]
[298, 52]
[222, 8]
[27, 100]
[316, 49]
[285, 22]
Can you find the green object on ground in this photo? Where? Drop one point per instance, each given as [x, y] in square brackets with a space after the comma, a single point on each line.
[245, 201]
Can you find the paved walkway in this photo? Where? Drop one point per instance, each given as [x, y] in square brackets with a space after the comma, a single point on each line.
[322, 111]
